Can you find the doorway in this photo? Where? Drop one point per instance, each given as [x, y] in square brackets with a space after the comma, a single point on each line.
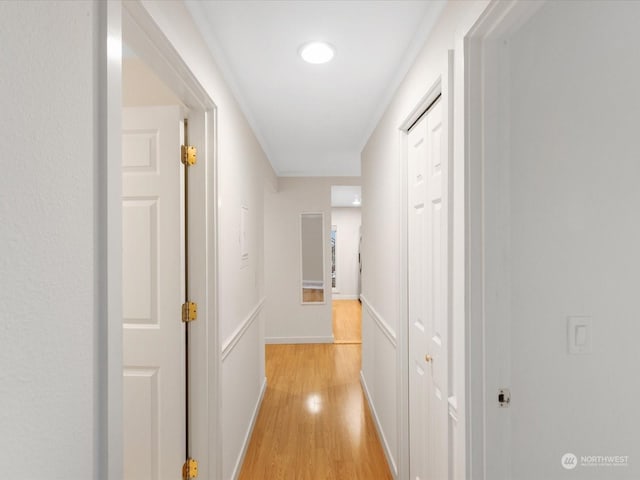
[139, 219]
[346, 219]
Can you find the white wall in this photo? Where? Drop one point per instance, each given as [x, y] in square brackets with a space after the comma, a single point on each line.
[381, 224]
[50, 380]
[141, 86]
[287, 320]
[347, 221]
[570, 204]
[243, 171]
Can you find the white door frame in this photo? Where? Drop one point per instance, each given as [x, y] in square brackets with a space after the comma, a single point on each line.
[486, 339]
[159, 54]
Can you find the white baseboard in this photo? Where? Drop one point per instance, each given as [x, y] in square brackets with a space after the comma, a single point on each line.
[376, 420]
[293, 340]
[247, 437]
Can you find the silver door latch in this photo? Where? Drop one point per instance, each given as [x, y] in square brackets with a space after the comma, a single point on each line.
[504, 397]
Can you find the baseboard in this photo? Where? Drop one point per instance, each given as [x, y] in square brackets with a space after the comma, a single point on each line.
[247, 437]
[294, 340]
[376, 420]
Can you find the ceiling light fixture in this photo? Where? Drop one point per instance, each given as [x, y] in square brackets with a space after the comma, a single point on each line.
[316, 52]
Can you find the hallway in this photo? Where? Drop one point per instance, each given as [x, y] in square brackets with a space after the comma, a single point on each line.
[314, 422]
[152, 311]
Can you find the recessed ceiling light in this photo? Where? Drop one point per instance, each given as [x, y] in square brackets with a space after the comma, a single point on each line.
[316, 52]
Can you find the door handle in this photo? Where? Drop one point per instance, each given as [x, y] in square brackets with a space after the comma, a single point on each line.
[428, 358]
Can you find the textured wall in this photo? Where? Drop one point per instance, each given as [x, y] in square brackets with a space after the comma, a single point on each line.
[47, 244]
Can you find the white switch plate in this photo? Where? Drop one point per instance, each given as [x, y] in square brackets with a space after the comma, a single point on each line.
[579, 333]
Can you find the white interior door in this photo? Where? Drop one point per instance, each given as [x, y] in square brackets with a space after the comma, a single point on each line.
[427, 298]
[153, 342]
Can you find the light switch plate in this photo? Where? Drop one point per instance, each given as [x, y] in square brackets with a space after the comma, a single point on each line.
[579, 335]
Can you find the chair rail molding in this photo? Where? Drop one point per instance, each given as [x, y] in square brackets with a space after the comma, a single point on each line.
[233, 339]
[380, 323]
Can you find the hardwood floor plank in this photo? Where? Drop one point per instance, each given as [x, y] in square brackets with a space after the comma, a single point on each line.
[312, 295]
[314, 422]
[347, 321]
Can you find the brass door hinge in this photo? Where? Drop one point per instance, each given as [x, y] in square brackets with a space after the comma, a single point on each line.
[189, 311]
[189, 155]
[190, 469]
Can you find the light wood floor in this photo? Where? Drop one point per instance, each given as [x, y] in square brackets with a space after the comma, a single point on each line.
[347, 321]
[312, 295]
[314, 423]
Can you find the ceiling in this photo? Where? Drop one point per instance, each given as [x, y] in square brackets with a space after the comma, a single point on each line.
[314, 120]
